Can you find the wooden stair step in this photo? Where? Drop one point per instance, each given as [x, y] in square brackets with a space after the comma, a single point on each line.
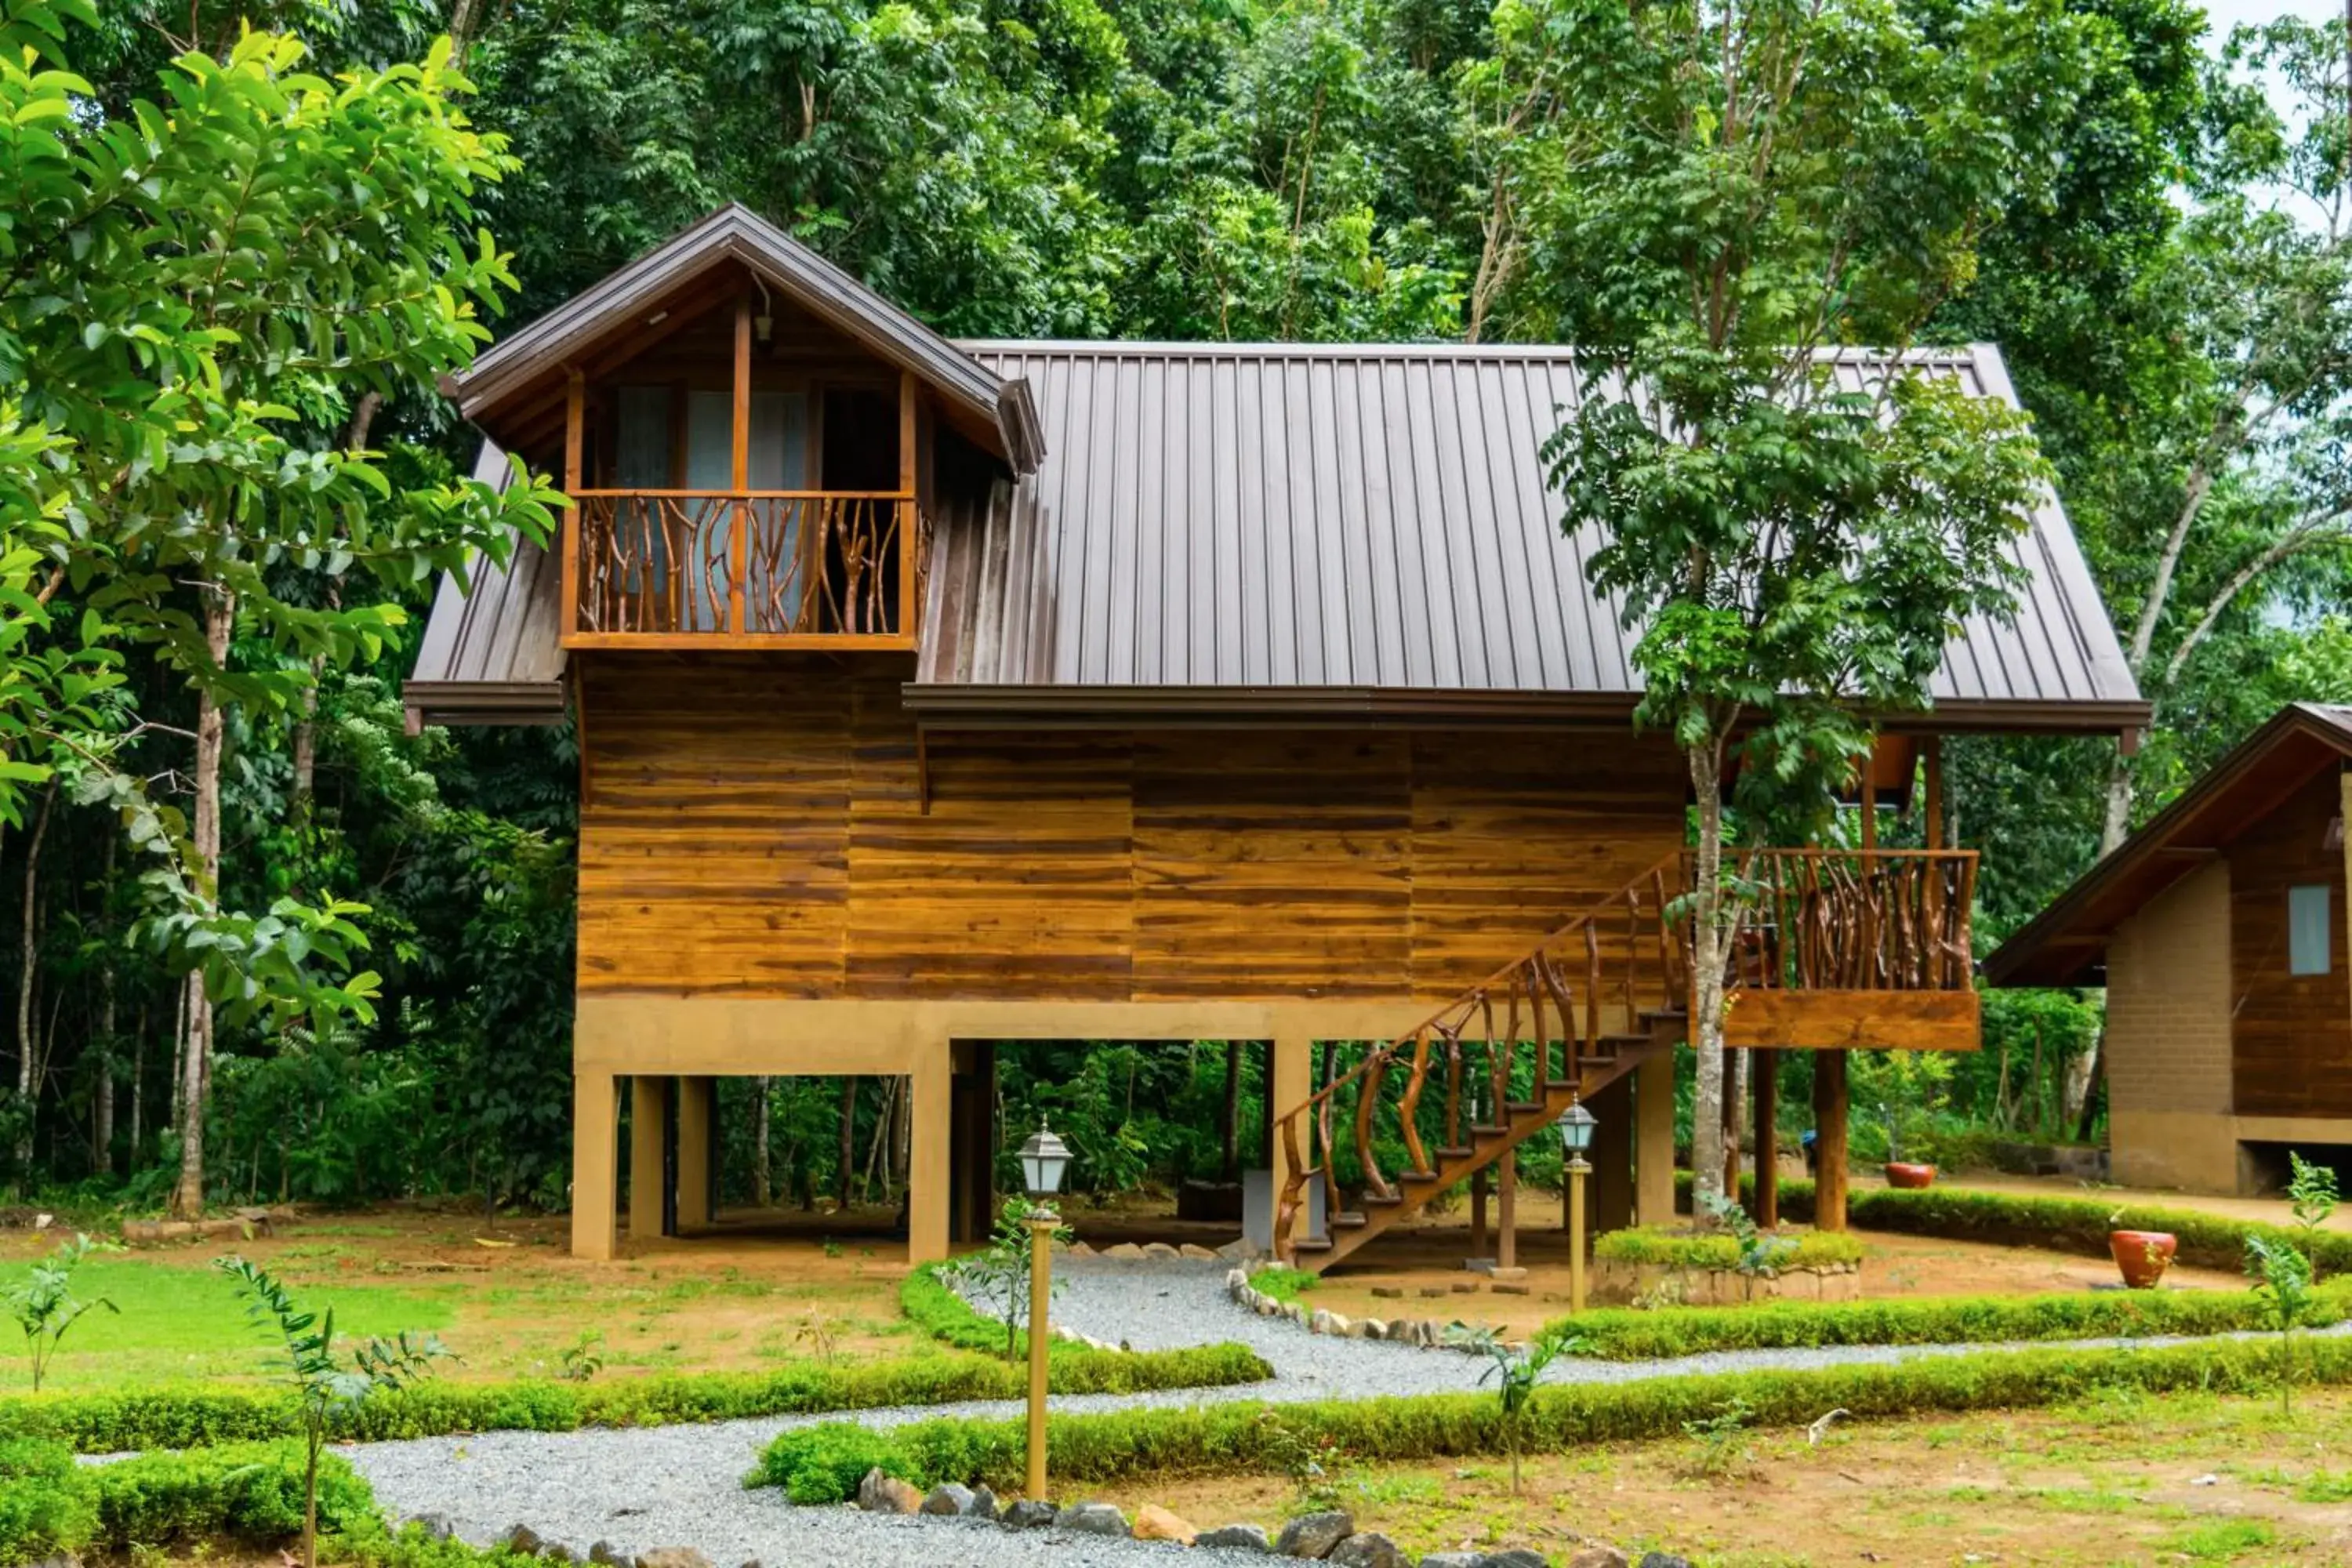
[1348, 1219]
[1387, 1203]
[1462, 1154]
[1312, 1244]
[1524, 1108]
[1417, 1177]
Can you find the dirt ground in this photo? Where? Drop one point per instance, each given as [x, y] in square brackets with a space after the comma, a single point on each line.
[2188, 1478]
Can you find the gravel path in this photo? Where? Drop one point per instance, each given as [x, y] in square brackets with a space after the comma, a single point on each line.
[679, 1486]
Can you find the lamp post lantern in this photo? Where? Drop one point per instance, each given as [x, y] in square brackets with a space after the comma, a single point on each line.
[1576, 1125]
[1044, 1160]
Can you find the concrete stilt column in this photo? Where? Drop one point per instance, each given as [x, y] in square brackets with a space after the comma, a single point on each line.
[1829, 1140]
[1507, 1211]
[1767, 1086]
[648, 1127]
[1292, 1083]
[1611, 1182]
[596, 1164]
[696, 1111]
[929, 1159]
[1654, 1139]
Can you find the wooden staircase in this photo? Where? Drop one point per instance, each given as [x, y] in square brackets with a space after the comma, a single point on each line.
[1857, 948]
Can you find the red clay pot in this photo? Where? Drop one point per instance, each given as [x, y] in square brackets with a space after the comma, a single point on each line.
[2143, 1255]
[1904, 1173]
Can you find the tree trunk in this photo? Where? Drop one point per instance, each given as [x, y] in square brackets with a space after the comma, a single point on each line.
[138, 1091]
[848, 1136]
[1232, 1168]
[28, 1054]
[759, 1189]
[1707, 982]
[2117, 823]
[188, 1195]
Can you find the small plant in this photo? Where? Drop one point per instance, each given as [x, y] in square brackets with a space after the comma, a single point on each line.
[998, 1274]
[832, 1247]
[324, 1384]
[581, 1360]
[2311, 1195]
[1760, 1255]
[44, 1304]
[2281, 1278]
[1516, 1370]
[1317, 1469]
[815, 1333]
[1717, 1438]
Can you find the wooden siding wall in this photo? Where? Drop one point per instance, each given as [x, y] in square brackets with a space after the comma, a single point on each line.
[755, 829]
[2292, 1036]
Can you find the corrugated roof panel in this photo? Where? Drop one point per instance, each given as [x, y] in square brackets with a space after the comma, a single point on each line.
[1290, 515]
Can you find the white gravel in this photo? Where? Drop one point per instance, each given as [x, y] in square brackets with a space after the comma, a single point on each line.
[680, 1486]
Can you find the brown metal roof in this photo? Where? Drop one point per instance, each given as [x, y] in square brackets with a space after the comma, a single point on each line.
[1292, 524]
[493, 656]
[736, 234]
[2066, 944]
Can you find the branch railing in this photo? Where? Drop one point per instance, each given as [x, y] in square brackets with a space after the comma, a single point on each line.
[1805, 918]
[1854, 919]
[1537, 1019]
[766, 563]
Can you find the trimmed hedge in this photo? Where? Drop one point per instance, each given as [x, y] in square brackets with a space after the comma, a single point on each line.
[1718, 1249]
[193, 1417]
[249, 1493]
[2063, 1225]
[947, 1317]
[1623, 1334]
[1253, 1438]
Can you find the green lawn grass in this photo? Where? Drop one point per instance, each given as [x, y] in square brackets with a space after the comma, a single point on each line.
[177, 1322]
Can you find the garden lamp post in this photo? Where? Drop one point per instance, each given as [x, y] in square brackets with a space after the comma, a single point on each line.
[1576, 1125]
[1044, 1159]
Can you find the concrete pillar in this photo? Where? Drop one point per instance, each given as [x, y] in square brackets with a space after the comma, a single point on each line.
[1611, 1188]
[648, 1131]
[1653, 1139]
[697, 1105]
[1767, 1086]
[1291, 1084]
[596, 1164]
[1507, 1210]
[929, 1158]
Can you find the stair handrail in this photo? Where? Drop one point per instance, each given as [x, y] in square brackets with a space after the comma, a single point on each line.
[1446, 1024]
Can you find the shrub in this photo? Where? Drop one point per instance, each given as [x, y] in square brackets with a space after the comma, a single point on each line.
[2062, 1224]
[1624, 1334]
[247, 1493]
[194, 1416]
[44, 1506]
[1233, 1437]
[1284, 1284]
[825, 1464]
[1712, 1249]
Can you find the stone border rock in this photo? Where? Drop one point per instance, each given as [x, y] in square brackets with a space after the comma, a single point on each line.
[1425, 1333]
[1328, 1535]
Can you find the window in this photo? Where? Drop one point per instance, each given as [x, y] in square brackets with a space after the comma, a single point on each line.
[2309, 944]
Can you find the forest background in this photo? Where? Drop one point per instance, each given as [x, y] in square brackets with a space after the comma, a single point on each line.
[2172, 291]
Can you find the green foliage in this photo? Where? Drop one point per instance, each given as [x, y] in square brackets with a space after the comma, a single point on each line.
[581, 1360]
[1231, 1438]
[1282, 1284]
[252, 1495]
[44, 1305]
[2063, 1225]
[2312, 1198]
[1717, 1438]
[825, 1464]
[1514, 1369]
[1629, 1334]
[2281, 1276]
[1683, 1249]
[998, 1272]
[1759, 1254]
[44, 1505]
[324, 1382]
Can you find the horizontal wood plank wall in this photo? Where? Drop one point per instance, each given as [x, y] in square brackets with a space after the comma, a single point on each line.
[755, 827]
[1270, 863]
[1512, 834]
[2291, 1037]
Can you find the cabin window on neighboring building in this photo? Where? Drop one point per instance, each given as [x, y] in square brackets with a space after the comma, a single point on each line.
[2309, 943]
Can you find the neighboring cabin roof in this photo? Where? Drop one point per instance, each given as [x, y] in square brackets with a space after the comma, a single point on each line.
[2066, 944]
[493, 656]
[734, 233]
[1257, 529]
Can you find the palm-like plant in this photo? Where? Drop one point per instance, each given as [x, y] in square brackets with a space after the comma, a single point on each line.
[1514, 1371]
[2282, 1276]
[44, 1305]
[324, 1382]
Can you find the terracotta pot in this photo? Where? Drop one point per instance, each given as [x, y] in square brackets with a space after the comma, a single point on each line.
[2143, 1255]
[1906, 1174]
